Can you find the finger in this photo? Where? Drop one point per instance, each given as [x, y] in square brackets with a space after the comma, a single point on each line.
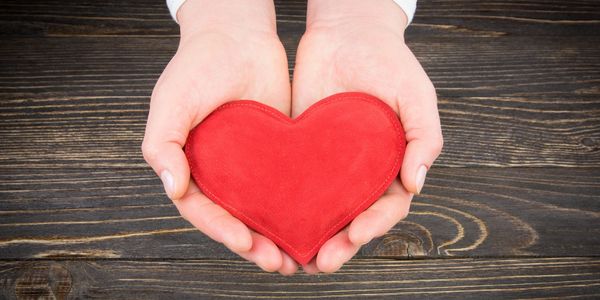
[311, 267]
[336, 252]
[264, 253]
[214, 221]
[308, 84]
[169, 122]
[380, 217]
[420, 119]
[288, 265]
[222, 227]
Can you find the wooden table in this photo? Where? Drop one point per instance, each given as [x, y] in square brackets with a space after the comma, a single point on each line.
[510, 210]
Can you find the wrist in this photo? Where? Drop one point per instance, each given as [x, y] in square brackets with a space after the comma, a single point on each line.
[227, 15]
[337, 13]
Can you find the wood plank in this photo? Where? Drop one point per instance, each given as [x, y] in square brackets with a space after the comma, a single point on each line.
[560, 278]
[516, 18]
[57, 18]
[73, 182]
[515, 103]
[464, 212]
[434, 17]
[82, 216]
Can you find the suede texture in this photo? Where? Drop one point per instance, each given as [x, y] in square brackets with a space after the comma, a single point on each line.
[297, 181]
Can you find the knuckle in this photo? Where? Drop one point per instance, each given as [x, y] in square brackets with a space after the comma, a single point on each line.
[149, 151]
[184, 215]
[155, 97]
[429, 91]
[389, 217]
[402, 214]
[438, 143]
[424, 93]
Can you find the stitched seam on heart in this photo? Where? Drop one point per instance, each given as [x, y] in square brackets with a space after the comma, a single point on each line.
[324, 236]
[392, 117]
[311, 110]
[327, 233]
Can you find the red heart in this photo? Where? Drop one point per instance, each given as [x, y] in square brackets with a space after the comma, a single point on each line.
[297, 181]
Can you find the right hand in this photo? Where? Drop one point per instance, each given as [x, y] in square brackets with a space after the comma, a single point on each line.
[228, 50]
[357, 45]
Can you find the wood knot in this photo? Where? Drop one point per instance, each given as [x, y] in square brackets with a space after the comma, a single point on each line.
[592, 144]
[403, 244]
[43, 280]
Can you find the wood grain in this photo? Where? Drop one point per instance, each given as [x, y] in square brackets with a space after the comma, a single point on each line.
[562, 278]
[123, 213]
[504, 102]
[510, 210]
[434, 17]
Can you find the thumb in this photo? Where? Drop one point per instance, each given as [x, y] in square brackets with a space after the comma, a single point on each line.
[169, 121]
[420, 119]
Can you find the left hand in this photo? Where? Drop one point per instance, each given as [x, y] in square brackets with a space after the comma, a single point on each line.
[355, 45]
[228, 50]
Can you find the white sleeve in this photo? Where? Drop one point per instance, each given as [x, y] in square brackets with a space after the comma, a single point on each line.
[174, 6]
[409, 7]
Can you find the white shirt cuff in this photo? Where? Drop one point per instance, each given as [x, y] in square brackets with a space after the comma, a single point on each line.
[174, 6]
[409, 7]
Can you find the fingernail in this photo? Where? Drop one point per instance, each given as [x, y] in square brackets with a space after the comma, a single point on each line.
[420, 180]
[168, 182]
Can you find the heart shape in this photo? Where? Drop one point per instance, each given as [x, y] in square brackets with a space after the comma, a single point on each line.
[297, 181]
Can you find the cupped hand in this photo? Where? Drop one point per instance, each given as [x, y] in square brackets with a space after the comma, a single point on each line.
[228, 50]
[352, 45]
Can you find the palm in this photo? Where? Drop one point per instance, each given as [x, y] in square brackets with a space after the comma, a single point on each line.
[212, 69]
[371, 60]
[327, 63]
[208, 70]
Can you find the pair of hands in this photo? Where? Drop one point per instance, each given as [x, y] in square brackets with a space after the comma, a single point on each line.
[229, 50]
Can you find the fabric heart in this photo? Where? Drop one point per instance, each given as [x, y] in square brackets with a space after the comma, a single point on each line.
[297, 181]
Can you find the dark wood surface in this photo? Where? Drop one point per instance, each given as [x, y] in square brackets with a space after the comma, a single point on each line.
[364, 278]
[463, 212]
[511, 209]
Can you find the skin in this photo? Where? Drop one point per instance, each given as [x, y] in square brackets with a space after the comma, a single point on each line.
[229, 50]
[355, 45]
